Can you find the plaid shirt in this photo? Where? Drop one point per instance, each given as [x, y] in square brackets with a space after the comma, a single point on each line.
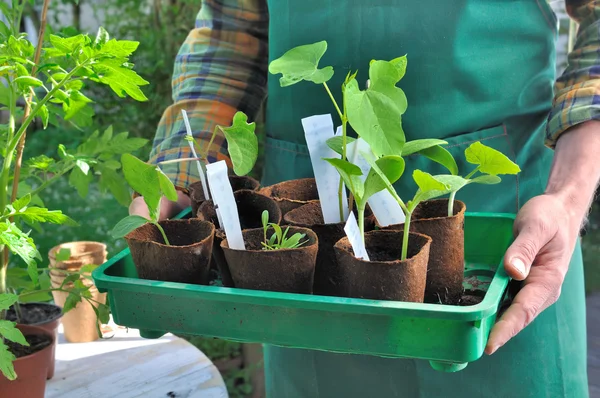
[222, 68]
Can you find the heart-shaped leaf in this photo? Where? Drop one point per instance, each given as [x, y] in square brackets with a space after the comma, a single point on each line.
[242, 144]
[489, 160]
[126, 225]
[391, 166]
[441, 155]
[302, 63]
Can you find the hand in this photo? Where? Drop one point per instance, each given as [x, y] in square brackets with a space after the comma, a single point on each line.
[545, 237]
[168, 209]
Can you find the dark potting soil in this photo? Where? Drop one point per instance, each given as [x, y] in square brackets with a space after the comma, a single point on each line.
[36, 343]
[381, 251]
[303, 190]
[32, 313]
[471, 297]
[433, 209]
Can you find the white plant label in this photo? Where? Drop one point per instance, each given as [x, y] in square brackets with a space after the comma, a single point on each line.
[317, 130]
[188, 129]
[353, 234]
[384, 206]
[225, 205]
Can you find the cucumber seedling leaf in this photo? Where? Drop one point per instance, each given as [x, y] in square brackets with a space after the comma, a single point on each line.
[242, 143]
[489, 160]
[302, 63]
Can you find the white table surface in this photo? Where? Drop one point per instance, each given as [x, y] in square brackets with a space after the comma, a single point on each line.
[128, 366]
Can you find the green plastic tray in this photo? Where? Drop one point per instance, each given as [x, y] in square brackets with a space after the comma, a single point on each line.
[448, 336]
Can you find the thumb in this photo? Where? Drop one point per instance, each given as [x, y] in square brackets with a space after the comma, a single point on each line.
[522, 252]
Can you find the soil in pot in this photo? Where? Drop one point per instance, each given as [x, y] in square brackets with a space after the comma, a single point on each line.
[186, 260]
[250, 205]
[292, 194]
[285, 270]
[385, 277]
[45, 315]
[327, 273]
[237, 183]
[31, 365]
[446, 267]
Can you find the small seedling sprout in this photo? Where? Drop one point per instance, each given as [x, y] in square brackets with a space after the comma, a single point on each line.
[279, 239]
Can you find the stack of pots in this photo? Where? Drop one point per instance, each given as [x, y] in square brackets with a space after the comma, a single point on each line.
[80, 323]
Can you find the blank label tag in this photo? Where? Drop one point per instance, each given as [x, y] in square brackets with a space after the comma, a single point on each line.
[317, 130]
[188, 129]
[353, 234]
[384, 206]
[225, 204]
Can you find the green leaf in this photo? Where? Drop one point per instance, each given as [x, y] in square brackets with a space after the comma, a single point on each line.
[25, 82]
[143, 178]
[427, 182]
[21, 202]
[63, 254]
[337, 143]
[35, 296]
[265, 218]
[489, 160]
[121, 144]
[116, 184]
[350, 174]
[454, 183]
[66, 45]
[10, 332]
[415, 146]
[391, 166]
[80, 181]
[400, 63]
[22, 245]
[441, 155]
[376, 118]
[44, 280]
[487, 179]
[126, 225]
[166, 186]
[40, 214]
[120, 48]
[242, 144]
[383, 76]
[83, 166]
[7, 300]
[88, 268]
[101, 37]
[278, 232]
[302, 63]
[375, 168]
[72, 300]
[44, 115]
[6, 360]
[41, 162]
[122, 80]
[103, 314]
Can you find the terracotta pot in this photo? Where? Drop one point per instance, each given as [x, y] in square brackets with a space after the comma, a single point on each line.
[385, 277]
[292, 194]
[82, 253]
[80, 323]
[32, 370]
[50, 325]
[285, 270]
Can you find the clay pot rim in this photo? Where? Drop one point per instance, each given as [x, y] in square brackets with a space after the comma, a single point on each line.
[39, 303]
[187, 221]
[298, 229]
[38, 331]
[428, 241]
[52, 255]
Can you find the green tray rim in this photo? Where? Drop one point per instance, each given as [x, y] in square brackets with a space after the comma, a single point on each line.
[487, 307]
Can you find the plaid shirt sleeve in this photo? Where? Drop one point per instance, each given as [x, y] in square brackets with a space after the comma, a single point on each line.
[220, 69]
[577, 91]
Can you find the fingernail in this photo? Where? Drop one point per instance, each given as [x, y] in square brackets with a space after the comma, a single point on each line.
[519, 265]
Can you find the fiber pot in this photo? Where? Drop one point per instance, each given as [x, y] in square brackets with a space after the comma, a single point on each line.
[186, 260]
[196, 192]
[250, 205]
[82, 253]
[447, 256]
[44, 315]
[292, 194]
[385, 277]
[31, 365]
[285, 270]
[327, 272]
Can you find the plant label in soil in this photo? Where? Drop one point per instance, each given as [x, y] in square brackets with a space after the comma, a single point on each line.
[383, 205]
[188, 129]
[355, 239]
[317, 130]
[224, 201]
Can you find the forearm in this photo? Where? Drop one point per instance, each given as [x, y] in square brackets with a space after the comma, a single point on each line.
[575, 171]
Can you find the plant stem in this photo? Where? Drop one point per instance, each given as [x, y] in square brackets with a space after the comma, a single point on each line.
[471, 174]
[51, 181]
[361, 223]
[451, 204]
[405, 236]
[162, 231]
[337, 108]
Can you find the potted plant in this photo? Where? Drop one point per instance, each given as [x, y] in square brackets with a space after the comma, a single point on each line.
[282, 261]
[49, 82]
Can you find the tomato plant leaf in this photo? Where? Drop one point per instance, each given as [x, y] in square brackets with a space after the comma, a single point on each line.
[22, 245]
[126, 225]
[242, 144]
[10, 332]
[20, 203]
[166, 186]
[489, 160]
[7, 300]
[302, 63]
[144, 180]
[39, 214]
[6, 362]
[122, 80]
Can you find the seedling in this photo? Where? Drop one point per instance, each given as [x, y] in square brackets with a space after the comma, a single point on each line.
[279, 240]
[490, 163]
[150, 182]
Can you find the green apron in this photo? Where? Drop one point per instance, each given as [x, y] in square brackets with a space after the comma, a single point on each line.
[477, 70]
